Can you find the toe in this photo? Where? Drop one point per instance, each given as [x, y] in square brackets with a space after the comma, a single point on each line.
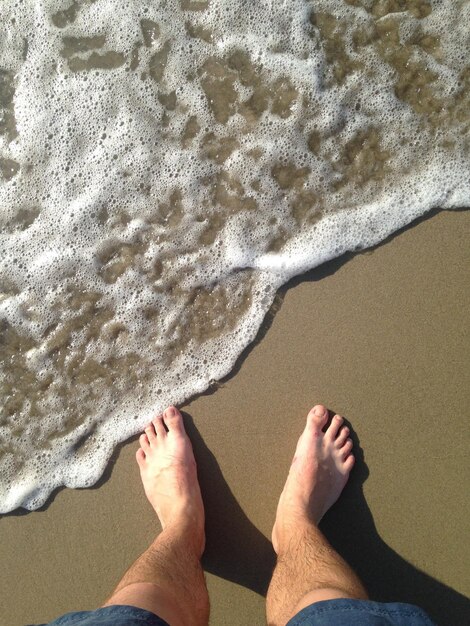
[144, 442]
[346, 449]
[334, 427]
[317, 416]
[173, 420]
[349, 463]
[159, 426]
[341, 438]
[140, 457]
[150, 432]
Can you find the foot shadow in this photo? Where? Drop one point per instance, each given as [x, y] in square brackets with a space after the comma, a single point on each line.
[386, 575]
[235, 549]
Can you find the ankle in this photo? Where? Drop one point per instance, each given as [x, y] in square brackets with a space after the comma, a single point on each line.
[186, 535]
[289, 535]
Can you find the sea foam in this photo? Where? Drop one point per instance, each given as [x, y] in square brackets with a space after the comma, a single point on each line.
[165, 166]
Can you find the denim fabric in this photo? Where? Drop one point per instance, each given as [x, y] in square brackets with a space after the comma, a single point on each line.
[342, 612]
[347, 612]
[115, 615]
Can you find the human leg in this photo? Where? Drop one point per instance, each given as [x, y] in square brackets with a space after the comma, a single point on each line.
[308, 570]
[167, 579]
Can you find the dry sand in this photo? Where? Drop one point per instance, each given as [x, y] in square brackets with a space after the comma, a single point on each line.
[381, 337]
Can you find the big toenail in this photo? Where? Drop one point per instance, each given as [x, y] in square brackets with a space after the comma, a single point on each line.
[319, 411]
[171, 411]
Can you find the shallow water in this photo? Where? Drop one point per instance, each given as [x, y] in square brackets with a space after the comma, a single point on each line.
[165, 167]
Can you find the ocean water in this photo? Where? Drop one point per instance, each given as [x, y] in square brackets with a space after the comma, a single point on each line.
[165, 166]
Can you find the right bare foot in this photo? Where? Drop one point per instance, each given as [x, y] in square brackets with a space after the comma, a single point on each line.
[317, 476]
[169, 475]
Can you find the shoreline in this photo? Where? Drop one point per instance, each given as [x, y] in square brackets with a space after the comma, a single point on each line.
[378, 334]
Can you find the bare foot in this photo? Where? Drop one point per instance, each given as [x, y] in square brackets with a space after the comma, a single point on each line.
[169, 475]
[318, 473]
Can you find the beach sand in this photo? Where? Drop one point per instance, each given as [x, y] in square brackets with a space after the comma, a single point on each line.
[380, 337]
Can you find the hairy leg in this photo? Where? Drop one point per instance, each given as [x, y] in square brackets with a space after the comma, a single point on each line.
[167, 579]
[308, 569]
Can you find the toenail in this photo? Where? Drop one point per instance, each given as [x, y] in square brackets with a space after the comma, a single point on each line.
[319, 411]
[171, 411]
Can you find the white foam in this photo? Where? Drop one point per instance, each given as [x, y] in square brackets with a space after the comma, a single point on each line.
[117, 295]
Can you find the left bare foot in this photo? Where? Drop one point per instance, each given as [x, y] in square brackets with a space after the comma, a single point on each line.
[169, 475]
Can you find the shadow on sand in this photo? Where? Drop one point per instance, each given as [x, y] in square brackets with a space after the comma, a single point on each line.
[237, 551]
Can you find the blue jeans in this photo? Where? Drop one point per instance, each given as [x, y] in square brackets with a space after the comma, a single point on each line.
[345, 612]
[115, 615]
[326, 613]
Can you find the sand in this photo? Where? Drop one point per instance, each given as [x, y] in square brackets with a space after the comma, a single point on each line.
[380, 337]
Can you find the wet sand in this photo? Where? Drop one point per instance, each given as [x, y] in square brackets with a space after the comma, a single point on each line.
[380, 337]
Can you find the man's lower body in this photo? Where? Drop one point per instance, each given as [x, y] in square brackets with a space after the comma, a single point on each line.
[311, 584]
